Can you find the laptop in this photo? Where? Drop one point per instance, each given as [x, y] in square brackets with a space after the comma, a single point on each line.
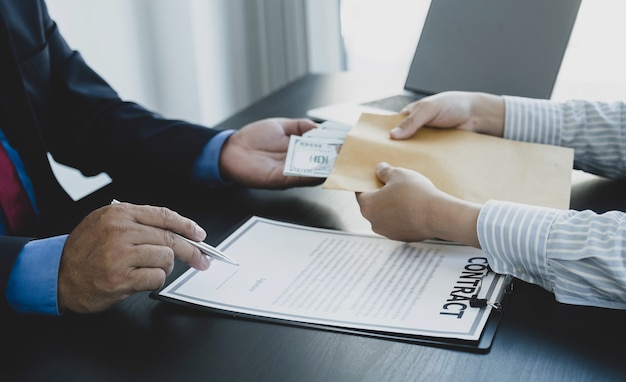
[505, 47]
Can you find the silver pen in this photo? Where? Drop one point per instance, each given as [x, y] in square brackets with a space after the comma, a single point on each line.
[205, 248]
[209, 250]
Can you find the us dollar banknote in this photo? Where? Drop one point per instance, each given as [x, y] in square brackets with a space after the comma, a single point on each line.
[314, 153]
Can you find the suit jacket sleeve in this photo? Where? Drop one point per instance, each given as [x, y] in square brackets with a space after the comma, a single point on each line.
[83, 121]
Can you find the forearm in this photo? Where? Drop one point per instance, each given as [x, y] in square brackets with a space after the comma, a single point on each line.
[488, 114]
[88, 126]
[455, 220]
[576, 255]
[595, 130]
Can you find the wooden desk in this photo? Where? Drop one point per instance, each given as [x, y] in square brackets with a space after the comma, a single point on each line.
[144, 340]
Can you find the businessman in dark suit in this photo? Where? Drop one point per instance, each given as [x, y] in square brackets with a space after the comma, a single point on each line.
[52, 102]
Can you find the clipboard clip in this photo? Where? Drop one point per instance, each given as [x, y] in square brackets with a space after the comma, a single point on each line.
[496, 304]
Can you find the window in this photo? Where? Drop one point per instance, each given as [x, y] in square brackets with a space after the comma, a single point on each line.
[594, 66]
[380, 36]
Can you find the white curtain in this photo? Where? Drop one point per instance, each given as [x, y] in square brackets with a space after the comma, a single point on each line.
[201, 60]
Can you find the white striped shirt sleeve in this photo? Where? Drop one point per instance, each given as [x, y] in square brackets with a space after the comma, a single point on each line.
[580, 256]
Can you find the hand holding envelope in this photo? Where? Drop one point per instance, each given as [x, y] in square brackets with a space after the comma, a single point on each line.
[471, 166]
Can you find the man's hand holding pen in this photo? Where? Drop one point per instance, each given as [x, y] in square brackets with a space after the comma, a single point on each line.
[137, 244]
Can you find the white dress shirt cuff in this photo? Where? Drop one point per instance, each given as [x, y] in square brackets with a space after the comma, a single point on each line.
[514, 237]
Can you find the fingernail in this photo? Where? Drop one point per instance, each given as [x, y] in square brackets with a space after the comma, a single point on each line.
[395, 130]
[200, 232]
[205, 262]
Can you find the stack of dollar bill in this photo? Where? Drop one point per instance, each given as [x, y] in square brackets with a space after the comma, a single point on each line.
[313, 154]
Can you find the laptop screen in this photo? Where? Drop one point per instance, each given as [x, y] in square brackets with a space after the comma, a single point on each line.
[510, 47]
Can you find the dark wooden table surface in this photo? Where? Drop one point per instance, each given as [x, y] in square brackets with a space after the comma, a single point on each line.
[142, 339]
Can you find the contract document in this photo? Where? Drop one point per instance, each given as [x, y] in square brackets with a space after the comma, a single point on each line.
[336, 279]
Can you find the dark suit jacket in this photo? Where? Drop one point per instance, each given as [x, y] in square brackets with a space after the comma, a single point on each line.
[52, 102]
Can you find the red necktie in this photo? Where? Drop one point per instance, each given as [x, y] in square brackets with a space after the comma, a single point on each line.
[14, 201]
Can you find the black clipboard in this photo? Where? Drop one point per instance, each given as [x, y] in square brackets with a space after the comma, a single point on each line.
[481, 345]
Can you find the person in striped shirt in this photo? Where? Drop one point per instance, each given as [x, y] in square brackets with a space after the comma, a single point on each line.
[580, 256]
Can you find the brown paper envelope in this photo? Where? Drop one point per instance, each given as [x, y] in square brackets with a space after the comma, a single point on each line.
[474, 167]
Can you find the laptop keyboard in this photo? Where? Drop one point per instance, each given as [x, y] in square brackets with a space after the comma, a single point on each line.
[394, 103]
